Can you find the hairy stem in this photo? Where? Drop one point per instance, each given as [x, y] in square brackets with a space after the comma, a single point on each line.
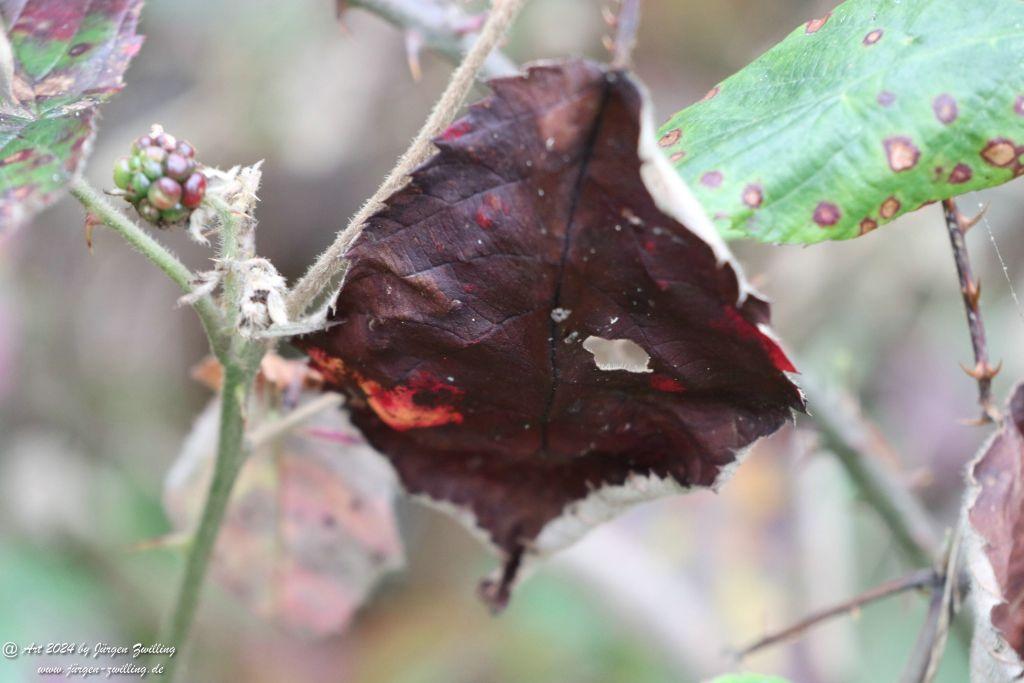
[982, 372]
[230, 456]
[922, 578]
[321, 278]
[443, 28]
[142, 242]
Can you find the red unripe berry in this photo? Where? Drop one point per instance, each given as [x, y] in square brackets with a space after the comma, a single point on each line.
[177, 166]
[164, 193]
[143, 142]
[167, 141]
[195, 190]
[185, 149]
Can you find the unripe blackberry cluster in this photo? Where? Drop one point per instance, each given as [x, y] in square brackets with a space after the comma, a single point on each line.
[160, 178]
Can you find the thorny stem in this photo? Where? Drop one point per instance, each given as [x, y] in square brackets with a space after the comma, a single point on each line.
[970, 288]
[96, 204]
[923, 664]
[626, 24]
[440, 27]
[861, 450]
[322, 276]
[921, 578]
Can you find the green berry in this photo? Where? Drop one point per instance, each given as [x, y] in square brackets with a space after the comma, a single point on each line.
[135, 162]
[164, 193]
[139, 184]
[175, 214]
[148, 212]
[152, 169]
[122, 173]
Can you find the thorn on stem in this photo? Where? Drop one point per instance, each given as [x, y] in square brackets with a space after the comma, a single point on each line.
[972, 290]
[968, 223]
[982, 370]
[413, 48]
[91, 221]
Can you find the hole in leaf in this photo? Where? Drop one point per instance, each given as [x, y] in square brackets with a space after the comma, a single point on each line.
[618, 354]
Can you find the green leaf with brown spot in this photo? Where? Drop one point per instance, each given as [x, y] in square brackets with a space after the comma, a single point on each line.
[857, 117]
[59, 60]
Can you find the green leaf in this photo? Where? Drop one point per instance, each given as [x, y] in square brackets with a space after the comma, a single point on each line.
[748, 678]
[857, 117]
[59, 59]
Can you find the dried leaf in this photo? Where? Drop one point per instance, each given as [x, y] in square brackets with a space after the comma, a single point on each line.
[543, 327]
[310, 528]
[61, 59]
[859, 116]
[994, 548]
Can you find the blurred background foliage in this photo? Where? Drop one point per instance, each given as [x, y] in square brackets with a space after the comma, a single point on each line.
[95, 394]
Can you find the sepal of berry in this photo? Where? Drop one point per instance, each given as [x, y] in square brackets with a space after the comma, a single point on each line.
[147, 211]
[175, 214]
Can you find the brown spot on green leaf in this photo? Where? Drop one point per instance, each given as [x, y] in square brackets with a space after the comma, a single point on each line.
[945, 108]
[711, 179]
[873, 36]
[710, 93]
[901, 153]
[827, 214]
[890, 207]
[885, 98]
[677, 156]
[867, 225]
[670, 138]
[814, 25]
[753, 195]
[999, 152]
[961, 173]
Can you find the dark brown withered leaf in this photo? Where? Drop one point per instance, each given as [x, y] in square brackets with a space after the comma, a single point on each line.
[543, 326]
[995, 550]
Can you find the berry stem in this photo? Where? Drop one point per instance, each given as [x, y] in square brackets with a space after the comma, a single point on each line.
[141, 241]
[238, 378]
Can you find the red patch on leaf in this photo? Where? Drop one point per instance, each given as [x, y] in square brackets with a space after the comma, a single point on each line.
[670, 138]
[424, 402]
[1018, 105]
[540, 424]
[885, 98]
[666, 383]
[456, 131]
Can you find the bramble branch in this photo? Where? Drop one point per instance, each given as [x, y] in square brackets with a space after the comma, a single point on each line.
[861, 451]
[923, 578]
[329, 269]
[970, 288]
